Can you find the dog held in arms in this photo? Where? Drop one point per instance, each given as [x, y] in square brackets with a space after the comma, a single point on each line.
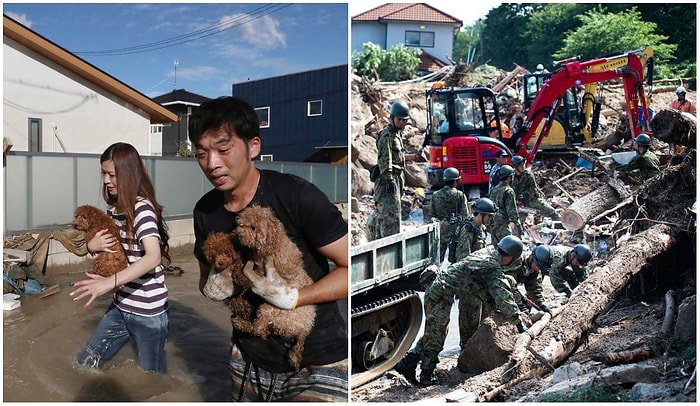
[226, 279]
[260, 230]
[90, 220]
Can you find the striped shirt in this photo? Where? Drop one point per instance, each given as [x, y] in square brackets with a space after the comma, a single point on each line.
[146, 295]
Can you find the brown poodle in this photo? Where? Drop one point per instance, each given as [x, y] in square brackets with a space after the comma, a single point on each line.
[219, 252]
[90, 220]
[260, 230]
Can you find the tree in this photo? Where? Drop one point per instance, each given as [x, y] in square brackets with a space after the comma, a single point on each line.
[467, 43]
[545, 31]
[604, 33]
[504, 34]
[397, 63]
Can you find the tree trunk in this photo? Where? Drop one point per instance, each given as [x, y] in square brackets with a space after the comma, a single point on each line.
[589, 206]
[563, 336]
[674, 127]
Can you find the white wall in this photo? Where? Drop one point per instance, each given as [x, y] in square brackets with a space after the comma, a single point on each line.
[396, 34]
[367, 32]
[85, 117]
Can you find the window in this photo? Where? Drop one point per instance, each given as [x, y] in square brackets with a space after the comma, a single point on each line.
[315, 108]
[263, 116]
[34, 135]
[424, 39]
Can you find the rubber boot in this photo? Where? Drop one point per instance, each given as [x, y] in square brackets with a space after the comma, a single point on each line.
[407, 367]
[427, 379]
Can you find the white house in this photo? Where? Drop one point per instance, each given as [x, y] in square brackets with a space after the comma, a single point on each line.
[54, 101]
[415, 25]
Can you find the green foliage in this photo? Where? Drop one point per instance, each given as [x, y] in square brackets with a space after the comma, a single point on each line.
[466, 44]
[544, 31]
[605, 33]
[596, 392]
[183, 150]
[395, 64]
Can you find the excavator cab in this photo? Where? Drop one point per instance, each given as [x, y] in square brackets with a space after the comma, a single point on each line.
[567, 128]
[465, 132]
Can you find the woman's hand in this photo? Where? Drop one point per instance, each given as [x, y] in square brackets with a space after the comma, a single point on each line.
[92, 287]
[102, 241]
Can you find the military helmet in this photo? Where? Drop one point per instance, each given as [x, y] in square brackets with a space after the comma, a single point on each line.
[505, 171]
[680, 90]
[540, 66]
[399, 109]
[502, 152]
[511, 246]
[517, 161]
[450, 174]
[582, 253]
[542, 255]
[484, 205]
[642, 139]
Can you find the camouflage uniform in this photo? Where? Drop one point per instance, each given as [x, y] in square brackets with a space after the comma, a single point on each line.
[372, 226]
[526, 190]
[532, 282]
[504, 197]
[389, 186]
[470, 238]
[443, 204]
[646, 164]
[563, 274]
[480, 273]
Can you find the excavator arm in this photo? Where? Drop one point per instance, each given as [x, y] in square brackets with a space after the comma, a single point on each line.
[576, 73]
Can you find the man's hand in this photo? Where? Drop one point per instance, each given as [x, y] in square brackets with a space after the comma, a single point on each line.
[269, 286]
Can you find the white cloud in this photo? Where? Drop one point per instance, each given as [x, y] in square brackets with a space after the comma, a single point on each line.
[20, 18]
[262, 32]
[198, 73]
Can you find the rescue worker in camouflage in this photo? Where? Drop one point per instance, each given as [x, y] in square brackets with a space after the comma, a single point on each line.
[481, 272]
[471, 237]
[501, 159]
[504, 197]
[533, 264]
[391, 161]
[569, 267]
[645, 163]
[447, 203]
[527, 192]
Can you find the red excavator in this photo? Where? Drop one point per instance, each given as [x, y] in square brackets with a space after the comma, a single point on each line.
[571, 73]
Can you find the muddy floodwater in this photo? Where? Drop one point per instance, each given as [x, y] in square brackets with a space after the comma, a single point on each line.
[42, 338]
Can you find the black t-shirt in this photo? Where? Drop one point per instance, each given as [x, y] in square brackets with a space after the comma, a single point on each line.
[311, 222]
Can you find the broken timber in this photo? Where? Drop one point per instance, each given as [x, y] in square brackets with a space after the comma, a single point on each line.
[674, 127]
[591, 205]
[556, 343]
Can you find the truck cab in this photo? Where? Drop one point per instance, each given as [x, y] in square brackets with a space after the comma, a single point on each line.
[464, 132]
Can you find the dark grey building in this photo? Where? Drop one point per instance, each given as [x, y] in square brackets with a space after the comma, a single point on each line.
[303, 116]
[180, 102]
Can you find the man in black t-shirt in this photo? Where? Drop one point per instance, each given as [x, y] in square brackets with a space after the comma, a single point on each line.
[226, 135]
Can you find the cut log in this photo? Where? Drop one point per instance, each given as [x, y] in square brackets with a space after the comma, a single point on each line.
[624, 357]
[589, 206]
[674, 127]
[670, 313]
[557, 343]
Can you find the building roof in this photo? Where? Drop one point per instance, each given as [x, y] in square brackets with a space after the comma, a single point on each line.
[42, 46]
[429, 63]
[419, 12]
[180, 96]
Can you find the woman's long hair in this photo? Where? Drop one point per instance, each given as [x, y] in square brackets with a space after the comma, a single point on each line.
[133, 181]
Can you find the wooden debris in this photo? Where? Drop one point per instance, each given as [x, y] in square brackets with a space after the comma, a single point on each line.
[591, 205]
[49, 291]
[670, 313]
[624, 357]
[675, 127]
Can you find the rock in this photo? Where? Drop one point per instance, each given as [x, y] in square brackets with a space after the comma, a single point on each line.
[566, 372]
[617, 375]
[647, 392]
[685, 324]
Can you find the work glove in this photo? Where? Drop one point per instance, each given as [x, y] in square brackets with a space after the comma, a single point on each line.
[546, 309]
[271, 286]
[219, 285]
[390, 187]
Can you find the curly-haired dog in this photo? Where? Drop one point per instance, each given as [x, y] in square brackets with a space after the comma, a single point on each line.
[227, 282]
[260, 230]
[90, 220]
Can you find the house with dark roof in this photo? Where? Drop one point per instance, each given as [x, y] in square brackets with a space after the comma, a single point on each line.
[174, 135]
[303, 116]
[415, 25]
[54, 101]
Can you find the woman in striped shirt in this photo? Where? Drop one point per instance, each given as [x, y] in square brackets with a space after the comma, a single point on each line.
[140, 297]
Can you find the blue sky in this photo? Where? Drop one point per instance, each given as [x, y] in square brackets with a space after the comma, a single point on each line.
[215, 45]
